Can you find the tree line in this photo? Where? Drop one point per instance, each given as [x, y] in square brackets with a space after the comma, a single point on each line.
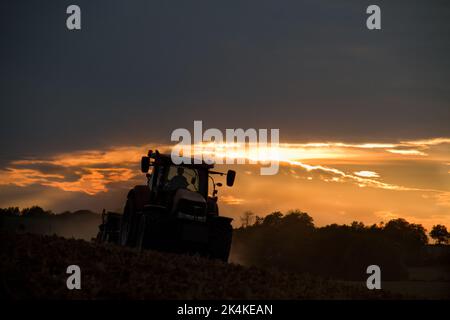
[34, 211]
[291, 241]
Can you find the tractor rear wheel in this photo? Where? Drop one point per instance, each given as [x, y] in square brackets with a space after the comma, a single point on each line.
[127, 223]
[149, 229]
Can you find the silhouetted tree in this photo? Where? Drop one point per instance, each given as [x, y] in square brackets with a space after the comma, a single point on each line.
[10, 212]
[356, 225]
[298, 218]
[440, 234]
[35, 211]
[258, 220]
[273, 218]
[403, 232]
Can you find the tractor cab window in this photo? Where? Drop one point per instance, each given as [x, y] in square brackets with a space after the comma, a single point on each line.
[151, 177]
[182, 178]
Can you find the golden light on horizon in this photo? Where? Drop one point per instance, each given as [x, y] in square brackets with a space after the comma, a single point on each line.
[104, 166]
[331, 165]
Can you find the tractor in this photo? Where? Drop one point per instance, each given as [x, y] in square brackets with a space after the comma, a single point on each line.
[174, 211]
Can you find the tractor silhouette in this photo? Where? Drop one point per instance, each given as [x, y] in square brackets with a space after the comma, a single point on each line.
[173, 212]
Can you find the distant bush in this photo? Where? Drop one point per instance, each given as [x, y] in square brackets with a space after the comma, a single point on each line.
[35, 211]
[10, 212]
[440, 234]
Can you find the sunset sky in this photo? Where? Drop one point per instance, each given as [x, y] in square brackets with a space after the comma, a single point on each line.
[363, 115]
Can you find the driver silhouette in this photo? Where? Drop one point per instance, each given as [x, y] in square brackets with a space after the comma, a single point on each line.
[179, 181]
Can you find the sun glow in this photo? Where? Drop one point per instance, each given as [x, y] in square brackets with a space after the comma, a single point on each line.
[92, 171]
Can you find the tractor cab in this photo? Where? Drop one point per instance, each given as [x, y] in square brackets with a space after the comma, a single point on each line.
[169, 184]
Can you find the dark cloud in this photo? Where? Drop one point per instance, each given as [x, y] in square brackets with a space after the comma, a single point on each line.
[59, 201]
[140, 69]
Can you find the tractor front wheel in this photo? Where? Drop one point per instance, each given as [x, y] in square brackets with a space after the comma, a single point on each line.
[220, 235]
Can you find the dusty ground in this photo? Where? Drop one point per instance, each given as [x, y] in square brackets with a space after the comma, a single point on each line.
[34, 266]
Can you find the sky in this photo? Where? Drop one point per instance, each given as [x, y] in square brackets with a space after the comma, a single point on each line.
[79, 108]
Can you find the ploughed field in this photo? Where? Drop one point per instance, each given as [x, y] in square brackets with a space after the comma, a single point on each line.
[34, 266]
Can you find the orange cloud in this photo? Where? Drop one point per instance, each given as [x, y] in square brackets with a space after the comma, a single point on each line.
[367, 174]
[231, 200]
[26, 177]
[91, 181]
[91, 171]
[411, 152]
[94, 181]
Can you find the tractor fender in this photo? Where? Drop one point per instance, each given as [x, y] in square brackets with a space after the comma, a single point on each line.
[140, 195]
[212, 207]
[221, 219]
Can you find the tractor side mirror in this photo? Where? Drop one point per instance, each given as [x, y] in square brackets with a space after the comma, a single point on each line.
[231, 175]
[145, 164]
